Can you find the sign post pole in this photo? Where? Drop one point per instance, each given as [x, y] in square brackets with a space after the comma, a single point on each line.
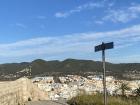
[104, 77]
[102, 48]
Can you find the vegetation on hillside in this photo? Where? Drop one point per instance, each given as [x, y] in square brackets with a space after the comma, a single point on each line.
[68, 66]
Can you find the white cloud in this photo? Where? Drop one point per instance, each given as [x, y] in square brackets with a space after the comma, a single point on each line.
[111, 4]
[79, 9]
[41, 17]
[99, 22]
[20, 25]
[80, 43]
[123, 15]
[135, 8]
[60, 14]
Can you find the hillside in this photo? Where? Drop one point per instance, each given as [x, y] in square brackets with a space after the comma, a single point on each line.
[40, 66]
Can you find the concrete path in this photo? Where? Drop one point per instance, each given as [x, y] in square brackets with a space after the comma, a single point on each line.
[47, 103]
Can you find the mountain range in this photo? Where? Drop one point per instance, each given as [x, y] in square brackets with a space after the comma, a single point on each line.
[40, 66]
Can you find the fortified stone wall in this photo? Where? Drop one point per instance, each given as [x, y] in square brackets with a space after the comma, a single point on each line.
[20, 91]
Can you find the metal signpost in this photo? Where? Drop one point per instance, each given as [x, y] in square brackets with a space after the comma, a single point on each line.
[102, 47]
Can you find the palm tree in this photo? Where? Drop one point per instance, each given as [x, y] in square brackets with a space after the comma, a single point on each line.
[123, 88]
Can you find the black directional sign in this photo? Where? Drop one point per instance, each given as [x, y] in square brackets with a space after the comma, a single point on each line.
[104, 46]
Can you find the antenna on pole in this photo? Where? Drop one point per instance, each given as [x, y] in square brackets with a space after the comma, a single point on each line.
[102, 47]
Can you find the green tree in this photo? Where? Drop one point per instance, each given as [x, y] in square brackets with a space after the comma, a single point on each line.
[123, 88]
[137, 91]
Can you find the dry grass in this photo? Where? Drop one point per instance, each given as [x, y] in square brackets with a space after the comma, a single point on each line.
[98, 100]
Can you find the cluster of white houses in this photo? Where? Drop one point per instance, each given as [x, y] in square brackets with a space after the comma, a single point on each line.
[71, 85]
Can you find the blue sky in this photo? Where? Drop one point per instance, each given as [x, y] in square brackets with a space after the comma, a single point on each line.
[60, 29]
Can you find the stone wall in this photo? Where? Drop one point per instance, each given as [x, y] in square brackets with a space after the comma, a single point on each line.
[20, 91]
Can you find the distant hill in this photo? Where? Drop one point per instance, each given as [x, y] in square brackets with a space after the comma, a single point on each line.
[40, 66]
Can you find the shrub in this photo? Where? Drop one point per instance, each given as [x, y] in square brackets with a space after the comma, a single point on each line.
[84, 99]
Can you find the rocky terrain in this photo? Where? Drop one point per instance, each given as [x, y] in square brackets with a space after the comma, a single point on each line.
[19, 92]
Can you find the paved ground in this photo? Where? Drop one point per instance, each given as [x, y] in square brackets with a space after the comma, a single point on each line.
[47, 103]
